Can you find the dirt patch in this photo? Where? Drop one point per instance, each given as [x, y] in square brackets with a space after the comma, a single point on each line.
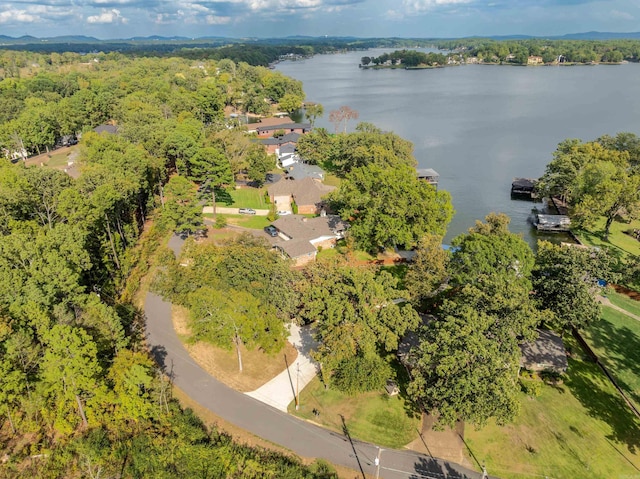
[445, 444]
[258, 367]
[627, 292]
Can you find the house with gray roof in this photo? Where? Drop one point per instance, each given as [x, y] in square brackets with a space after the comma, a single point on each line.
[106, 128]
[307, 193]
[300, 171]
[301, 237]
[547, 353]
[274, 143]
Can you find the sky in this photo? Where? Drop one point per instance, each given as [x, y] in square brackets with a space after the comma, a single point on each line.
[110, 19]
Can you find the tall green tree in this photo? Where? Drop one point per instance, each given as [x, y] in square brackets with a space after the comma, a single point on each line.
[70, 373]
[428, 269]
[390, 207]
[461, 372]
[230, 318]
[565, 282]
[181, 211]
[357, 315]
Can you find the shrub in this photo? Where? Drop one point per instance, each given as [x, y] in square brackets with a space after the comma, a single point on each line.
[294, 207]
[531, 387]
[221, 222]
[361, 374]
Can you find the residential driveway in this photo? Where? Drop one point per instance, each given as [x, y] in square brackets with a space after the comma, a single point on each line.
[301, 437]
[282, 390]
[223, 210]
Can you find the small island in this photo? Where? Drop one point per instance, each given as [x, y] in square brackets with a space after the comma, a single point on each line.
[408, 60]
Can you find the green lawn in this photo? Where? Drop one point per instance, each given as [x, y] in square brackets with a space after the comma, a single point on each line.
[580, 429]
[623, 301]
[375, 416]
[331, 180]
[247, 221]
[619, 242]
[243, 198]
[616, 341]
[57, 160]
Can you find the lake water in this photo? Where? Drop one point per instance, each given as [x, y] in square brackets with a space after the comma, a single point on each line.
[479, 126]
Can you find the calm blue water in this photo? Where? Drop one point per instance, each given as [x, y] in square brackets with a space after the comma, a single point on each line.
[479, 126]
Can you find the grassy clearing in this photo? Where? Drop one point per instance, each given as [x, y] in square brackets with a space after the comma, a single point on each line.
[246, 221]
[331, 180]
[581, 428]
[623, 301]
[222, 364]
[619, 242]
[58, 160]
[374, 416]
[243, 198]
[616, 341]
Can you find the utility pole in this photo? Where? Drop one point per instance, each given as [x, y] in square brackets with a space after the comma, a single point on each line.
[297, 385]
[377, 463]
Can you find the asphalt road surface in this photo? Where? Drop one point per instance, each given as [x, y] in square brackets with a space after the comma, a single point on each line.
[301, 437]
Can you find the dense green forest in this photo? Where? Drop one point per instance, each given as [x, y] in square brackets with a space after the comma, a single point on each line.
[571, 51]
[263, 52]
[79, 394]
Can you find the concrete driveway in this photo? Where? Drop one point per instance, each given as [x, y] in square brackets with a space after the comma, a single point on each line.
[272, 424]
[282, 390]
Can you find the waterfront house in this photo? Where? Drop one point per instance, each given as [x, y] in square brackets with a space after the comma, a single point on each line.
[307, 194]
[268, 130]
[301, 237]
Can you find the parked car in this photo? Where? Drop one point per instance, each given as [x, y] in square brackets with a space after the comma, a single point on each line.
[247, 211]
[271, 230]
[284, 213]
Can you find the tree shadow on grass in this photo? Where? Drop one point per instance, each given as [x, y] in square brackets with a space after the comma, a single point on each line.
[402, 379]
[598, 396]
[622, 353]
[223, 196]
[426, 467]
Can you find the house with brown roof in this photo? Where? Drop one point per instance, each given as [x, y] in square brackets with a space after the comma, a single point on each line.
[301, 237]
[307, 193]
[252, 127]
[269, 130]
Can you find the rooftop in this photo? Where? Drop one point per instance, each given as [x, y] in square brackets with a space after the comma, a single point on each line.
[546, 352]
[305, 192]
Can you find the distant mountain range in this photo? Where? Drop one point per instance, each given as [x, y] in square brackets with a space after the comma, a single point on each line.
[68, 39]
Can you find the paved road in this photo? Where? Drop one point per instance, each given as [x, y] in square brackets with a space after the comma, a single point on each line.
[301, 437]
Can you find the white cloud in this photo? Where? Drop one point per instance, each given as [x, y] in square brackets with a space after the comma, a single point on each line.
[215, 20]
[21, 16]
[107, 16]
[428, 5]
[618, 15]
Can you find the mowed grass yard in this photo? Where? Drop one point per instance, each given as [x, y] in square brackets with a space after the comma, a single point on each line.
[616, 341]
[374, 416]
[618, 242]
[243, 198]
[579, 429]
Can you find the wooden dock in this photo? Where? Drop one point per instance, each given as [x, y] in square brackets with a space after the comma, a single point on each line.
[553, 223]
[560, 205]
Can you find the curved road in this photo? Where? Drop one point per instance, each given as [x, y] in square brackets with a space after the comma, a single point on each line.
[301, 437]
